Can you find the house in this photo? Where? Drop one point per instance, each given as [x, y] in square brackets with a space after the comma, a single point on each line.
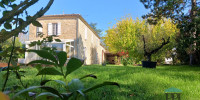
[78, 38]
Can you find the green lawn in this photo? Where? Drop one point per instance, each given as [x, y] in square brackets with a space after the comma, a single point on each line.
[136, 83]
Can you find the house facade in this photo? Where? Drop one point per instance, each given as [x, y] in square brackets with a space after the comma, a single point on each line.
[78, 39]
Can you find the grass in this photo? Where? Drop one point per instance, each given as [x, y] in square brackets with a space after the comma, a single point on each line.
[136, 83]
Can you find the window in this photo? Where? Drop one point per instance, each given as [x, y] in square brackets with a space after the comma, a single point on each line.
[38, 31]
[70, 49]
[58, 46]
[54, 29]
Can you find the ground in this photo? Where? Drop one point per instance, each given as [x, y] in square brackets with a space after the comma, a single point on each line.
[136, 83]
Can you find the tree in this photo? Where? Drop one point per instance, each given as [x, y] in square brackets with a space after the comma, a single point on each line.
[98, 31]
[13, 23]
[8, 43]
[176, 10]
[141, 39]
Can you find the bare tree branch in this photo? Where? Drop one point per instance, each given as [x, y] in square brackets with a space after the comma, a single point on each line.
[6, 35]
[24, 5]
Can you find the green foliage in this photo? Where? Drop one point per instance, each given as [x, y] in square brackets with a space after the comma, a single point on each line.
[19, 52]
[73, 89]
[188, 23]
[126, 35]
[127, 60]
[136, 83]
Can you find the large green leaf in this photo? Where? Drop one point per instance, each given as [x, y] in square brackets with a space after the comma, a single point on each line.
[43, 96]
[75, 85]
[73, 65]
[57, 81]
[49, 71]
[44, 54]
[62, 57]
[41, 62]
[90, 75]
[100, 85]
[49, 89]
[36, 23]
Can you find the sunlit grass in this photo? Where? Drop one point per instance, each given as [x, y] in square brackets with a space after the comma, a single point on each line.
[136, 83]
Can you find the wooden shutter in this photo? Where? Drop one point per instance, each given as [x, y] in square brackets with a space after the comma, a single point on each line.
[59, 28]
[50, 29]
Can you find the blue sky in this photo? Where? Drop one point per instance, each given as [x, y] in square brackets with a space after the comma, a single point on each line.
[103, 12]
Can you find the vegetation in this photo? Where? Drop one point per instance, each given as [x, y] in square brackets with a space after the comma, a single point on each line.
[139, 38]
[188, 22]
[6, 48]
[136, 83]
[98, 31]
[13, 23]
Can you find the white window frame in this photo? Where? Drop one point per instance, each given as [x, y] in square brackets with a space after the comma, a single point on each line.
[51, 28]
[38, 30]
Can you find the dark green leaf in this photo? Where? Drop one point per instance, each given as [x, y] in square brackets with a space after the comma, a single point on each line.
[58, 40]
[36, 23]
[44, 54]
[1, 4]
[38, 67]
[62, 57]
[41, 62]
[43, 82]
[90, 75]
[73, 65]
[100, 85]
[8, 26]
[49, 71]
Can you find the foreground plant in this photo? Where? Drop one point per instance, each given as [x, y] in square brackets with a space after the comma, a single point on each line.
[74, 88]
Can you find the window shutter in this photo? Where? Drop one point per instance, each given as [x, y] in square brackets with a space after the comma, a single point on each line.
[50, 29]
[40, 29]
[59, 28]
[86, 33]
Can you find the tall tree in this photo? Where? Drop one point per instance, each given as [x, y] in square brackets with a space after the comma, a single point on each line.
[176, 10]
[141, 39]
[98, 31]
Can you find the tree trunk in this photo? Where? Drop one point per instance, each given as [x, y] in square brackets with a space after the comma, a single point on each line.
[193, 15]
[149, 57]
